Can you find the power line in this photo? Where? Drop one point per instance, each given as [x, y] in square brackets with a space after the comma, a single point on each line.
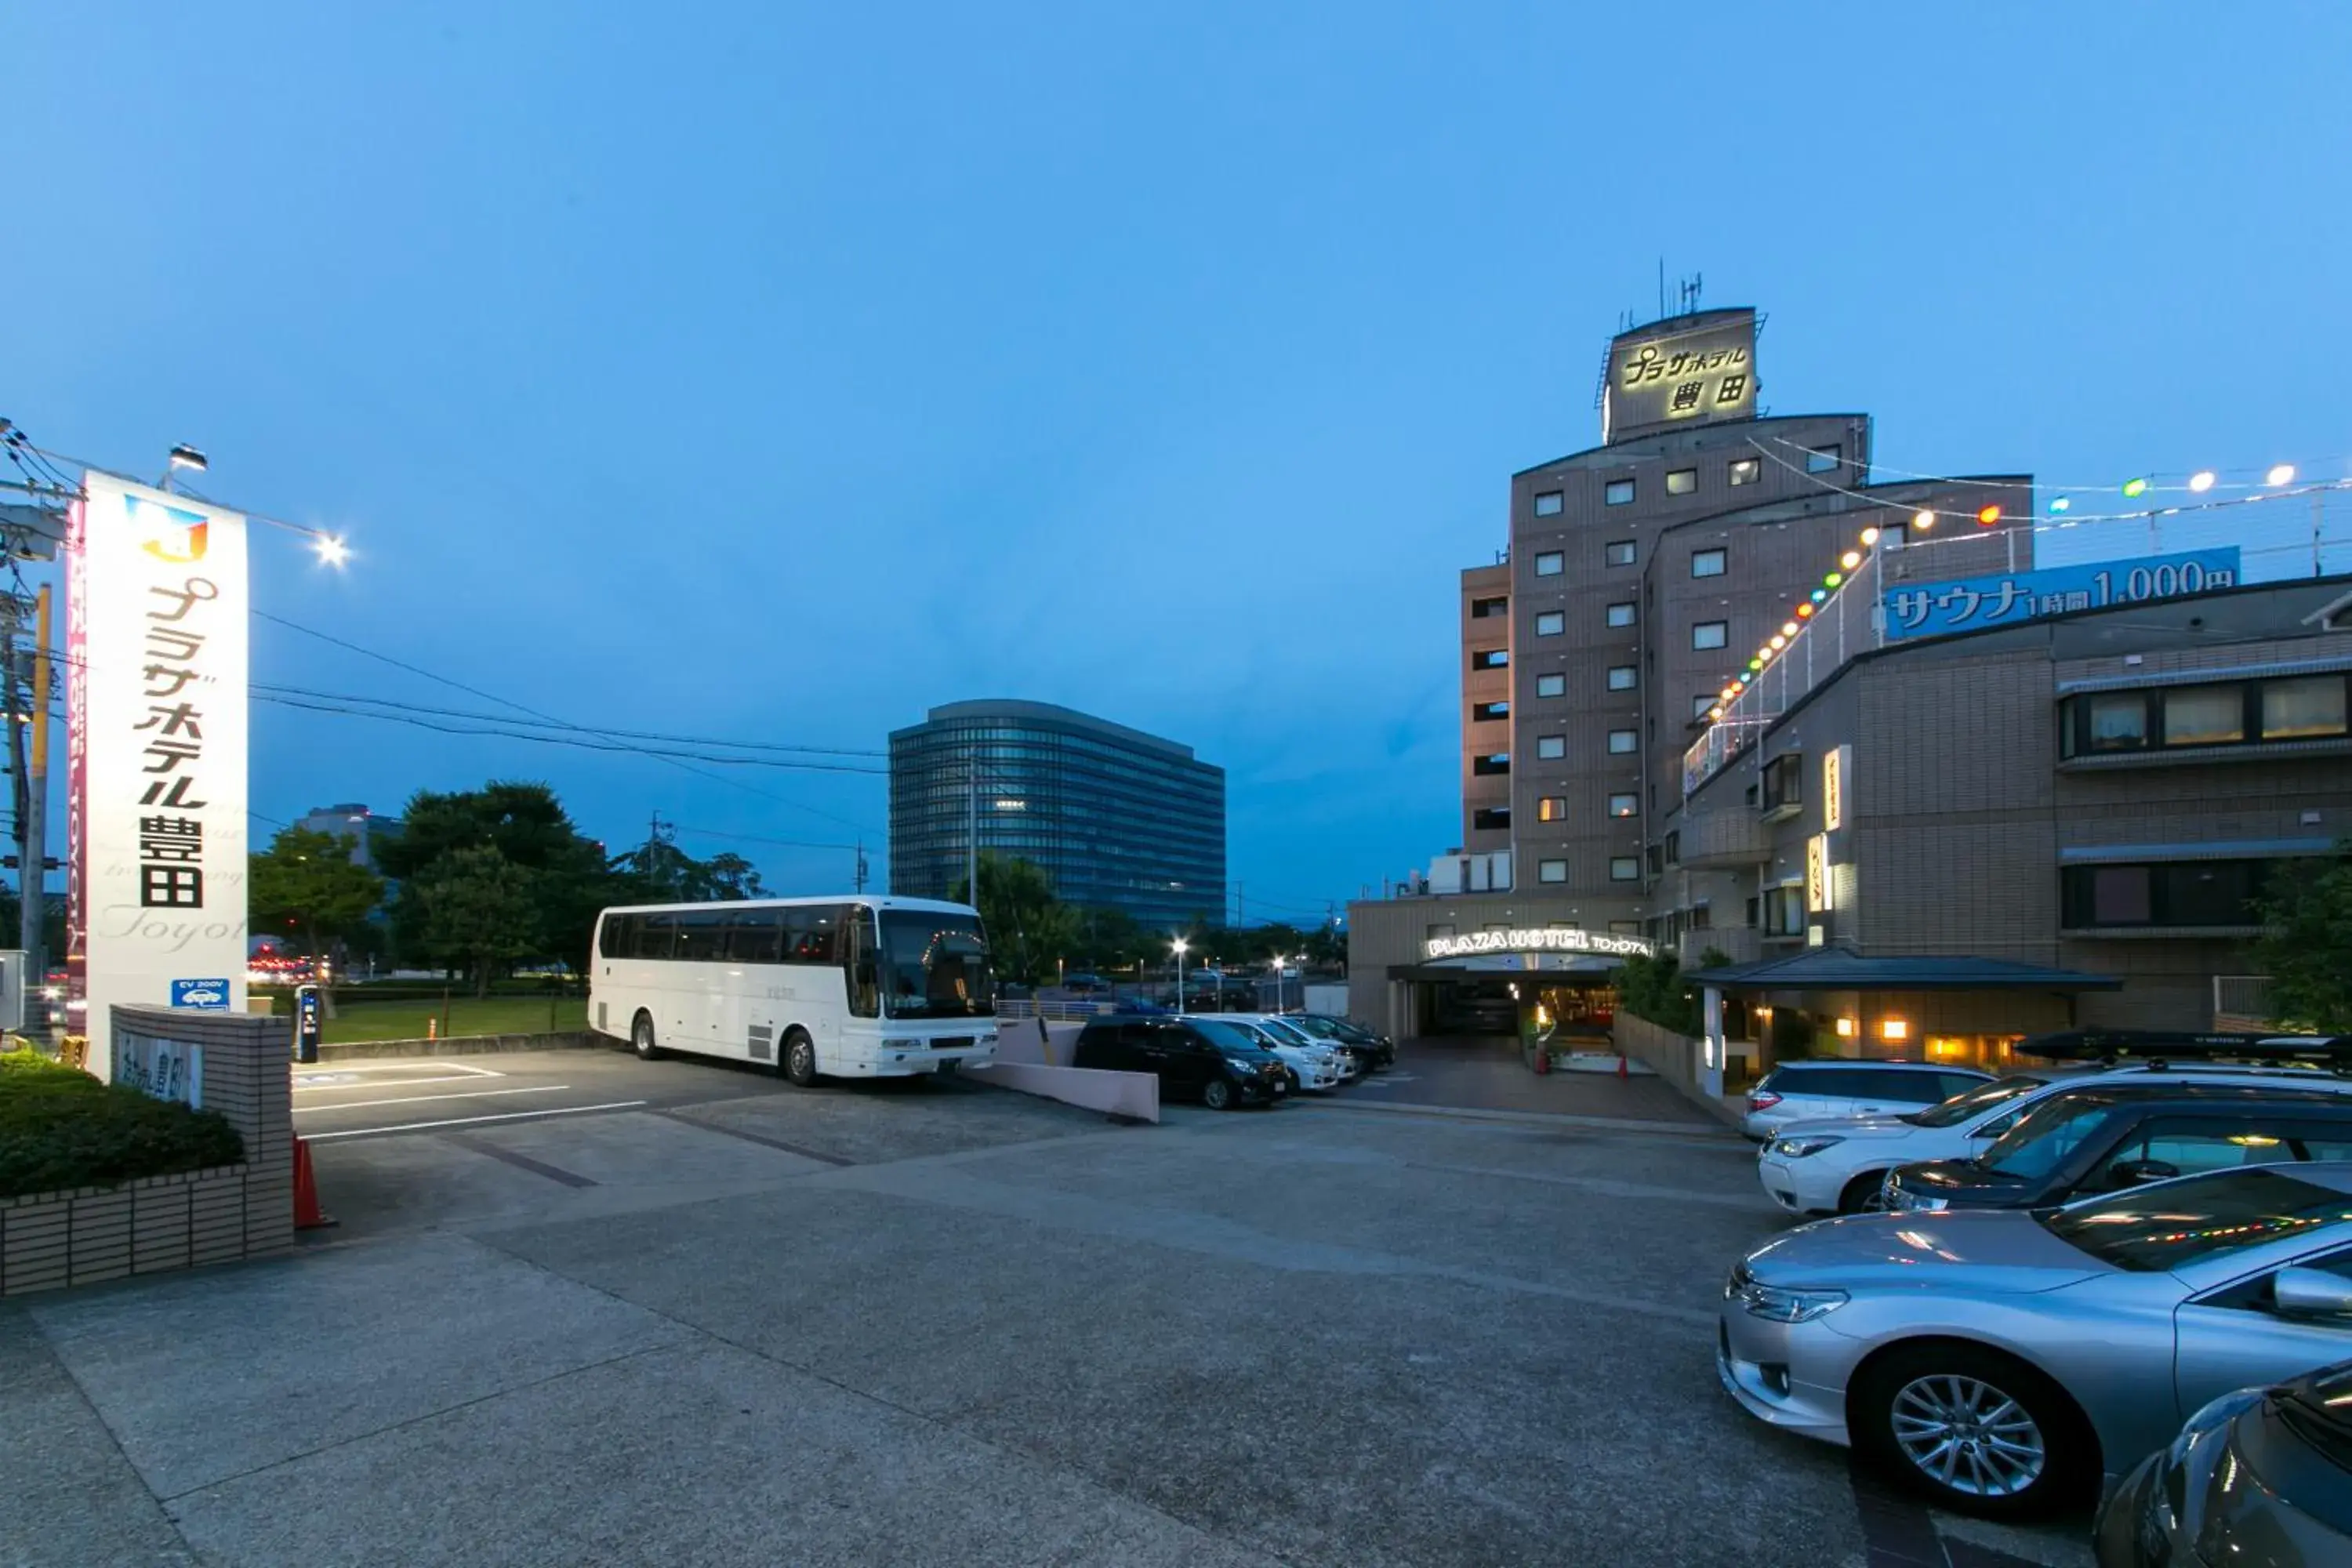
[590, 729]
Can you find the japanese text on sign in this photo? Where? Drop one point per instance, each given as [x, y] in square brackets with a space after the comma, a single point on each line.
[1929, 609]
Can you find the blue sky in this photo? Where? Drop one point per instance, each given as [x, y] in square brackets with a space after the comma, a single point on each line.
[775, 372]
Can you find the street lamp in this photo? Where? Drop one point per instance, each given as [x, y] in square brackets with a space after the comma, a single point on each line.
[1178, 945]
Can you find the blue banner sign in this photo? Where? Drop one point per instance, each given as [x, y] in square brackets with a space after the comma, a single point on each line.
[1972, 604]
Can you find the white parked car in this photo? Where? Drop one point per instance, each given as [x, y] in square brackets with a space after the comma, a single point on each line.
[1836, 1165]
[1289, 1033]
[1813, 1088]
[1316, 1065]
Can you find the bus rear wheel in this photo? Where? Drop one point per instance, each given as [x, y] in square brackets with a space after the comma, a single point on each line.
[800, 1057]
[641, 1037]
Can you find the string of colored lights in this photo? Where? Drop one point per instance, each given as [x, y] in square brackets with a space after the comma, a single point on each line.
[1989, 516]
[2195, 483]
[1924, 520]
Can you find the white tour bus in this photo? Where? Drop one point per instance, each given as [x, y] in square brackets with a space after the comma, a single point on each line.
[853, 986]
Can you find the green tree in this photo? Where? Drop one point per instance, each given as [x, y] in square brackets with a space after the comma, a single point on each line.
[308, 882]
[664, 873]
[2306, 947]
[479, 910]
[1028, 927]
[569, 876]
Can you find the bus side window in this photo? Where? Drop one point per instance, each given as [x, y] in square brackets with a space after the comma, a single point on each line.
[654, 935]
[619, 937]
[812, 932]
[755, 936]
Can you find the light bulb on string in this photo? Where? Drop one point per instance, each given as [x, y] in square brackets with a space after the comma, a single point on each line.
[1790, 629]
[2135, 489]
[1988, 516]
[2060, 503]
[1834, 579]
[1922, 520]
[1805, 611]
[1820, 595]
[2279, 474]
[1850, 559]
[2201, 480]
[1869, 537]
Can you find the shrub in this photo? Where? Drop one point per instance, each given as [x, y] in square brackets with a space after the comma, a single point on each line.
[61, 1128]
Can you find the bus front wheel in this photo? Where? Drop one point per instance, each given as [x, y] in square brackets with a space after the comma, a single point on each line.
[800, 1058]
[641, 1035]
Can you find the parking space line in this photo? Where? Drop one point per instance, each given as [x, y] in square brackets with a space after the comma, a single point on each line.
[764, 1141]
[520, 1161]
[421, 1099]
[337, 1078]
[470, 1120]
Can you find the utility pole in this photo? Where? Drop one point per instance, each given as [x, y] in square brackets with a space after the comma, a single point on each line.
[971, 832]
[32, 827]
[859, 885]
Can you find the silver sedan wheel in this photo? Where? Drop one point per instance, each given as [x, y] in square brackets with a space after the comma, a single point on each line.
[1967, 1435]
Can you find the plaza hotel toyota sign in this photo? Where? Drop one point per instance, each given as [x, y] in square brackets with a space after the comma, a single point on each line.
[155, 746]
[1536, 938]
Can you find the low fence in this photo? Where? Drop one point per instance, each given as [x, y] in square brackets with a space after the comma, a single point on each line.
[1057, 1012]
[463, 1045]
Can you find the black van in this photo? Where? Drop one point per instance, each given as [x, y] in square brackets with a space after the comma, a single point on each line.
[1194, 1058]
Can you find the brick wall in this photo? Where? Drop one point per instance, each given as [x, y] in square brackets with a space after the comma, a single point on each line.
[92, 1234]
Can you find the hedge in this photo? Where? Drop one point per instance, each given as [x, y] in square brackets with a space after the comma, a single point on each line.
[61, 1128]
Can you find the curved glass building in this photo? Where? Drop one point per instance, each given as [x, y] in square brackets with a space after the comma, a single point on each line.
[1118, 819]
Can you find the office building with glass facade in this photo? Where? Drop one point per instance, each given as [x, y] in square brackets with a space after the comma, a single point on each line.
[1116, 818]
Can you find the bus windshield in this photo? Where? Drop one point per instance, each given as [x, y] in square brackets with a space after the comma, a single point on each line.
[935, 966]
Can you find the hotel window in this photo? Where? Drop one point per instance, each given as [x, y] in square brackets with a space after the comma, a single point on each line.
[1711, 633]
[1784, 781]
[1493, 763]
[1485, 713]
[1552, 686]
[1624, 805]
[1618, 553]
[1820, 459]
[1621, 676]
[1551, 623]
[1620, 615]
[1618, 493]
[1550, 747]
[1706, 563]
[1550, 564]
[1681, 481]
[1747, 470]
[2296, 709]
[1623, 742]
[1442, 928]
[1624, 869]
[1551, 809]
[2204, 715]
[1548, 503]
[1551, 870]
[2290, 708]
[1703, 704]
[1491, 817]
[1784, 910]
[2210, 893]
[1490, 658]
[1486, 609]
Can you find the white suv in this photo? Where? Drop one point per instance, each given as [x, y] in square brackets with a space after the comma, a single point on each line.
[1317, 1065]
[1815, 1087]
[1836, 1165]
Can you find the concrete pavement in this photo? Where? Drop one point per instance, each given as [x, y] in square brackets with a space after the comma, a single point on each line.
[943, 1326]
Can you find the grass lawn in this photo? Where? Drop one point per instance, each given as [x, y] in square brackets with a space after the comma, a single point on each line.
[363, 1020]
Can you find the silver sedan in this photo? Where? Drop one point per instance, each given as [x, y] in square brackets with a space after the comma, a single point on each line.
[2002, 1360]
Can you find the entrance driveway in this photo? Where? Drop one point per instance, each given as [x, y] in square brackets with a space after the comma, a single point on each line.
[741, 1323]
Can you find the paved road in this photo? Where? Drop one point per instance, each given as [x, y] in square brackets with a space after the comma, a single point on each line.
[741, 1323]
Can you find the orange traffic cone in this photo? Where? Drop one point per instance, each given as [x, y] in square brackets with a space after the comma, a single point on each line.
[306, 1214]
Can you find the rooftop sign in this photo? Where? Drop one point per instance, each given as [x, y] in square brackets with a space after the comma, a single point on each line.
[1691, 370]
[1537, 939]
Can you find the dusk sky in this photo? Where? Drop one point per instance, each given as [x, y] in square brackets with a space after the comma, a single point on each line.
[773, 373]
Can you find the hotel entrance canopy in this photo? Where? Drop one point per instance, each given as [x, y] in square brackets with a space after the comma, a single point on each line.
[1835, 969]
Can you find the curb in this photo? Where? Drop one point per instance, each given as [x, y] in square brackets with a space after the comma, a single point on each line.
[1518, 1118]
[462, 1045]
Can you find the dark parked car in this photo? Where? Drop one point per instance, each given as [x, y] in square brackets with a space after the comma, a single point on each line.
[1376, 1051]
[1084, 984]
[2106, 1136]
[2255, 1476]
[1194, 1058]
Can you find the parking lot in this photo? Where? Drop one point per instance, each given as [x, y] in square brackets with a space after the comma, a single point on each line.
[681, 1313]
